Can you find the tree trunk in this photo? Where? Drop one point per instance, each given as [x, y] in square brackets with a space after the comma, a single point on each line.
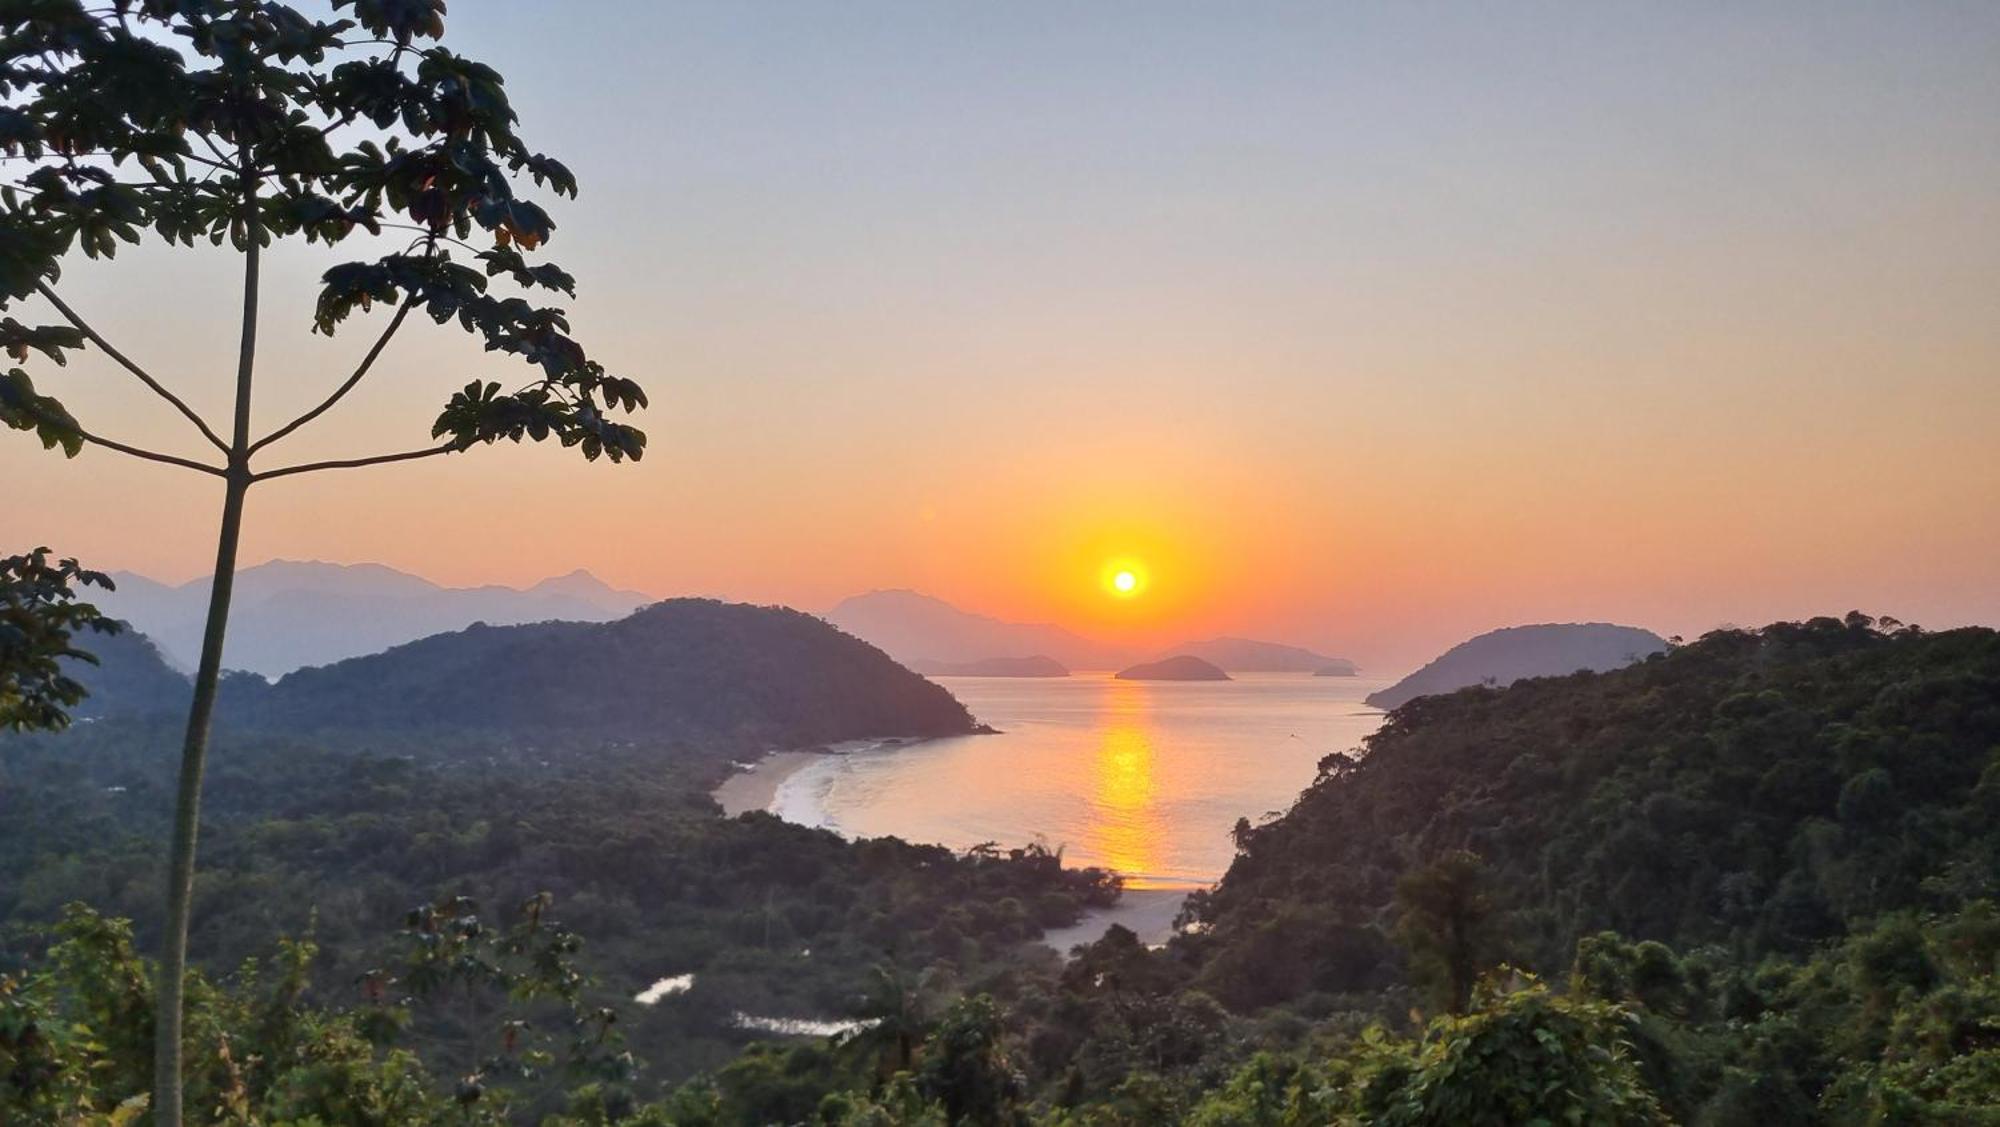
[169, 992]
[187, 819]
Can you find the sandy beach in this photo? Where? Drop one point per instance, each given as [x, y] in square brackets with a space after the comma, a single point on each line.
[756, 787]
[1148, 912]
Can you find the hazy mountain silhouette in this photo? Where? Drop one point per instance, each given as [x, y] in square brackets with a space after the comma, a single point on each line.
[692, 670]
[130, 678]
[1180, 667]
[1501, 657]
[1036, 666]
[1247, 655]
[287, 614]
[913, 627]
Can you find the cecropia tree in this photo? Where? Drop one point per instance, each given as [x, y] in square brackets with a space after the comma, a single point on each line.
[226, 125]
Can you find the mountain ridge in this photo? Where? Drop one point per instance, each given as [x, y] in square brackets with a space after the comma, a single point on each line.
[696, 671]
[911, 626]
[923, 630]
[1250, 655]
[1511, 653]
[288, 614]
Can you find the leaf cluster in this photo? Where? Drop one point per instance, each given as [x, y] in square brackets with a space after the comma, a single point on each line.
[241, 122]
[40, 616]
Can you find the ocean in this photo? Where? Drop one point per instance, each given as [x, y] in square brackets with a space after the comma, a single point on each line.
[1144, 777]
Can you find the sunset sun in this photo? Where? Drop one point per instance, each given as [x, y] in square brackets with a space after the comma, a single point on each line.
[1124, 578]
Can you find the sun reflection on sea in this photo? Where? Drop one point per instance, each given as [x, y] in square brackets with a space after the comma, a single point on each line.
[1124, 829]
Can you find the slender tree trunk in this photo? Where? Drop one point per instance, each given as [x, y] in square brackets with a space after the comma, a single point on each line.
[167, 1041]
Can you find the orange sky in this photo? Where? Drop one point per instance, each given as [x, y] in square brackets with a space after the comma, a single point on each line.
[1365, 332]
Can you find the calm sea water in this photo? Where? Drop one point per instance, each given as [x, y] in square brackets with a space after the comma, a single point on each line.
[1145, 777]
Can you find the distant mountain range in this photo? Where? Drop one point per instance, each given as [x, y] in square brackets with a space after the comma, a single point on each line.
[928, 633]
[914, 628]
[718, 676]
[1501, 657]
[1246, 655]
[287, 614]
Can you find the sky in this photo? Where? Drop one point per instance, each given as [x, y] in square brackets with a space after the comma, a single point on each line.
[1365, 327]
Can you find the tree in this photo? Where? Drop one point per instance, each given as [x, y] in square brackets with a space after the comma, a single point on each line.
[965, 1067]
[1524, 1055]
[897, 1009]
[1445, 920]
[39, 619]
[236, 123]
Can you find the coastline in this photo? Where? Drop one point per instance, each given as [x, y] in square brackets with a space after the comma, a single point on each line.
[756, 786]
[759, 785]
[1147, 912]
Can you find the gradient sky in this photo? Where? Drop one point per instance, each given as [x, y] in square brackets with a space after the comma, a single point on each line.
[1368, 327]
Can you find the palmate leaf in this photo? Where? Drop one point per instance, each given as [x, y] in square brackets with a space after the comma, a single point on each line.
[155, 118]
[22, 408]
[17, 340]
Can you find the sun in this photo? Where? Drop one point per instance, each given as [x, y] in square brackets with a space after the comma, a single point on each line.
[1124, 578]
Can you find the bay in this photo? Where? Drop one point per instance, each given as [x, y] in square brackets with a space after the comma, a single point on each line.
[1144, 777]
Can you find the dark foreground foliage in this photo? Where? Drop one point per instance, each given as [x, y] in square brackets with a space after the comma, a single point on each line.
[1446, 930]
[1757, 790]
[771, 918]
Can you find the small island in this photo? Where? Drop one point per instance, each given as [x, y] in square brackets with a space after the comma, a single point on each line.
[1036, 666]
[1182, 667]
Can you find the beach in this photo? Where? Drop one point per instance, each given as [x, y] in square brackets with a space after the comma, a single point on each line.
[1147, 912]
[756, 786]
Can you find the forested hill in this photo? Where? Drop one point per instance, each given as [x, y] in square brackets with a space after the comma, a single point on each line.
[1502, 657]
[680, 670]
[1755, 788]
[129, 678]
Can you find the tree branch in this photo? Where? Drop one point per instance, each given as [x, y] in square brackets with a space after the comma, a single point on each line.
[351, 463]
[367, 362]
[126, 363]
[151, 455]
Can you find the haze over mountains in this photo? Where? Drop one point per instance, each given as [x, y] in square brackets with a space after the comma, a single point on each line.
[927, 633]
[287, 614]
[293, 614]
[1247, 655]
[913, 627]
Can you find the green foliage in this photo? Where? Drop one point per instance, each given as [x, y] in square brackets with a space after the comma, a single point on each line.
[771, 918]
[1522, 1055]
[1291, 1009]
[1445, 919]
[222, 122]
[966, 1069]
[1753, 790]
[76, 1045]
[39, 620]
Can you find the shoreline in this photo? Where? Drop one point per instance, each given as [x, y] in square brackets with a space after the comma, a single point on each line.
[1147, 912]
[755, 786]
